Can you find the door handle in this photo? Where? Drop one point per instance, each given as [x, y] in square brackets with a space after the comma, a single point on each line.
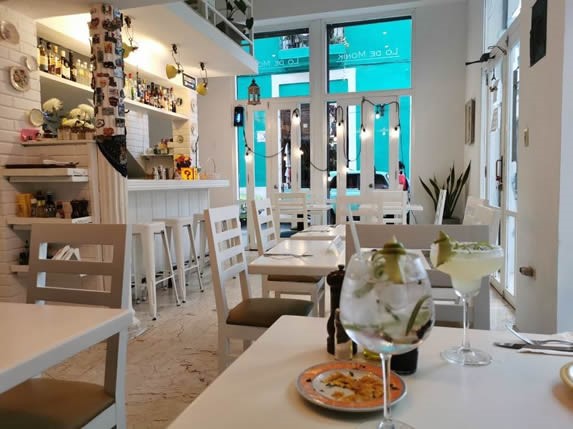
[527, 271]
[499, 173]
[371, 185]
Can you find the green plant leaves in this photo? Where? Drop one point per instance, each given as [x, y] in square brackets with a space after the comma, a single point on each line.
[454, 186]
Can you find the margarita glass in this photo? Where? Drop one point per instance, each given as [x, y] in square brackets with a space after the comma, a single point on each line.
[386, 306]
[466, 263]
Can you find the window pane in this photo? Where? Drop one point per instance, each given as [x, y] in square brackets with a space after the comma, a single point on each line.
[283, 66]
[371, 56]
[513, 9]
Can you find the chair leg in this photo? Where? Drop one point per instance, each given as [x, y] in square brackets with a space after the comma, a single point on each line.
[167, 251]
[180, 260]
[148, 246]
[321, 306]
[203, 245]
[223, 352]
[194, 262]
[136, 259]
[314, 299]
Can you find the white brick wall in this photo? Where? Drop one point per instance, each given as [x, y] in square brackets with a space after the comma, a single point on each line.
[14, 108]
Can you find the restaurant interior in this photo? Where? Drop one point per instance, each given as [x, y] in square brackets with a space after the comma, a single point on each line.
[326, 214]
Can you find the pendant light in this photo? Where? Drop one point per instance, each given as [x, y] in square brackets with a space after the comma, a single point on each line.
[173, 70]
[202, 86]
[128, 49]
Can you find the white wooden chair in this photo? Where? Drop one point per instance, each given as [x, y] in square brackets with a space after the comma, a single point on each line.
[479, 213]
[440, 207]
[252, 316]
[267, 238]
[49, 403]
[290, 207]
[448, 308]
[368, 208]
[395, 207]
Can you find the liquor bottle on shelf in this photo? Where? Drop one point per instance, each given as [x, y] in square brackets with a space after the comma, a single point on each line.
[128, 85]
[80, 75]
[137, 87]
[65, 67]
[73, 69]
[146, 94]
[57, 61]
[51, 58]
[50, 210]
[42, 56]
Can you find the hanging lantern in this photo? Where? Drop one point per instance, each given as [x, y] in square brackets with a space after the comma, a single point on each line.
[254, 93]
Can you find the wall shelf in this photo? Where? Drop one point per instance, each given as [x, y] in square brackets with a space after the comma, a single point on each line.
[161, 155]
[47, 79]
[46, 175]
[19, 268]
[24, 223]
[55, 142]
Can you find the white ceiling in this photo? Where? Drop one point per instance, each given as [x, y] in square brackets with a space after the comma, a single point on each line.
[156, 28]
[45, 8]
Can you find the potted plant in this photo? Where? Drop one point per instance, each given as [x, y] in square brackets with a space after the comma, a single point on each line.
[454, 185]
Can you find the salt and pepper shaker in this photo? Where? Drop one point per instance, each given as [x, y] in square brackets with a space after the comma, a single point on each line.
[334, 280]
[344, 347]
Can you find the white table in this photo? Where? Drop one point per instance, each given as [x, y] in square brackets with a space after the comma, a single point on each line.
[326, 256]
[34, 337]
[258, 390]
[320, 232]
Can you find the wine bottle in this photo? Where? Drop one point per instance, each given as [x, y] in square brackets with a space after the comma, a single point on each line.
[42, 56]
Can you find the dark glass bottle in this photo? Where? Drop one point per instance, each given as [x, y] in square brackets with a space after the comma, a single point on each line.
[50, 209]
[406, 363]
[42, 56]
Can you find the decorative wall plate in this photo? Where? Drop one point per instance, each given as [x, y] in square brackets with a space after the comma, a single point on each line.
[9, 32]
[31, 63]
[20, 78]
[36, 117]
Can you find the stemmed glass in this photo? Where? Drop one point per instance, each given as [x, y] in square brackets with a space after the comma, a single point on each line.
[466, 263]
[386, 306]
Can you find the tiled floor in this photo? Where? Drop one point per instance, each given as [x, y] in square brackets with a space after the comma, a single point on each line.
[174, 360]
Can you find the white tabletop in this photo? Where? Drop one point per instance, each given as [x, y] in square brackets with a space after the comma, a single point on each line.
[258, 390]
[325, 257]
[320, 232]
[36, 337]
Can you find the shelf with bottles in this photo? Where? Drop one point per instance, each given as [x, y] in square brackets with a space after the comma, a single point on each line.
[26, 222]
[48, 79]
[54, 142]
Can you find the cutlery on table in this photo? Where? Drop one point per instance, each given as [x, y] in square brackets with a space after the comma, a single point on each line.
[517, 346]
[523, 338]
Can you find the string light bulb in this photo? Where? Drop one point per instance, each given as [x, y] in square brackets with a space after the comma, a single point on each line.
[378, 114]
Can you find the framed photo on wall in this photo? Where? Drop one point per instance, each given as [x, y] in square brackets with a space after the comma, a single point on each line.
[470, 121]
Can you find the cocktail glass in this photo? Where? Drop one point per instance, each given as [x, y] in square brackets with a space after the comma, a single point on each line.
[386, 306]
[466, 263]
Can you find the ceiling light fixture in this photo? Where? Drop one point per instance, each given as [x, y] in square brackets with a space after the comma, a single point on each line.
[202, 86]
[173, 70]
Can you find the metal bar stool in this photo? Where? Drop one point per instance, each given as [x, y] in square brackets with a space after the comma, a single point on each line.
[199, 227]
[175, 229]
[144, 241]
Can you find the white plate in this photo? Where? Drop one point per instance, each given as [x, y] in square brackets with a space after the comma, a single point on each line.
[31, 63]
[20, 78]
[313, 384]
[36, 117]
[9, 32]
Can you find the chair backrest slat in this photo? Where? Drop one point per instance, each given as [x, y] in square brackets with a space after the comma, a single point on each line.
[290, 207]
[477, 212]
[113, 264]
[265, 227]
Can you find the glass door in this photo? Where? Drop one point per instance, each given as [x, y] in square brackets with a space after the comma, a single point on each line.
[501, 156]
[288, 160]
[366, 139]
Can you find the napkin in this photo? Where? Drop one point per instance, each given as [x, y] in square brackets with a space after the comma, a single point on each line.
[561, 336]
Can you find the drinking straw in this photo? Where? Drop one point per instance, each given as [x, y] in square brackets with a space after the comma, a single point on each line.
[355, 240]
